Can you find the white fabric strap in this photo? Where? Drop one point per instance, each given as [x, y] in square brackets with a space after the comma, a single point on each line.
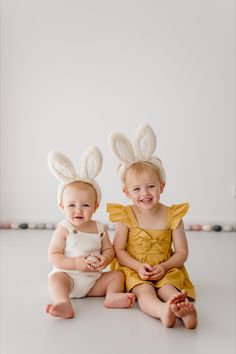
[67, 225]
[100, 227]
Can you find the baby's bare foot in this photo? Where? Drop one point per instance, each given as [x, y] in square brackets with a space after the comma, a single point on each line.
[61, 309]
[187, 312]
[119, 300]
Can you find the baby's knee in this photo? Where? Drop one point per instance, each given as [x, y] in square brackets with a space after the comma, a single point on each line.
[56, 277]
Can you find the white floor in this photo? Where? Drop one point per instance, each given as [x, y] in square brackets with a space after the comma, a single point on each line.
[25, 328]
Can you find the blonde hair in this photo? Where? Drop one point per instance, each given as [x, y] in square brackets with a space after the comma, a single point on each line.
[84, 186]
[140, 167]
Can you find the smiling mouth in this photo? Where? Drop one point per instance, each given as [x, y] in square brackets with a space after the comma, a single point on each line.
[146, 200]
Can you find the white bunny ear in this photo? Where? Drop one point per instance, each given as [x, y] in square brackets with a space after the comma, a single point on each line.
[121, 147]
[144, 142]
[91, 163]
[60, 166]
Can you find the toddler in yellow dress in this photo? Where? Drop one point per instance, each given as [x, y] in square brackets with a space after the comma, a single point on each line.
[150, 241]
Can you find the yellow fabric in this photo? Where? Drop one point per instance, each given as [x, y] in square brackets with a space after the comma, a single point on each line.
[152, 247]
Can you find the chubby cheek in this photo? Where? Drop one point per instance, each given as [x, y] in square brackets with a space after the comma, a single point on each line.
[89, 214]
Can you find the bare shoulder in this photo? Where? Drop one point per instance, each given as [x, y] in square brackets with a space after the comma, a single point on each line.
[106, 242]
[121, 232]
[121, 227]
[60, 233]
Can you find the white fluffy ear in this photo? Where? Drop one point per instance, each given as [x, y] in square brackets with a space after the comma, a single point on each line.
[91, 163]
[60, 166]
[144, 142]
[121, 147]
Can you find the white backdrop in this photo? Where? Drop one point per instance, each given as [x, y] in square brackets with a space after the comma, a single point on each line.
[74, 70]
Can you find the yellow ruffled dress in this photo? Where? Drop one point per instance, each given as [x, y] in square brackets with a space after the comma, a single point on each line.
[152, 247]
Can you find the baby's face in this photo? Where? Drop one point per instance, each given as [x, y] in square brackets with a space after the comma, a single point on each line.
[79, 203]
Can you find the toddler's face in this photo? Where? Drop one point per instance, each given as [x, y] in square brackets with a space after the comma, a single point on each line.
[143, 189]
[79, 203]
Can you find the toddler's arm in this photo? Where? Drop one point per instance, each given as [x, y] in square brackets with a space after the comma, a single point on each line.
[56, 253]
[120, 243]
[180, 249]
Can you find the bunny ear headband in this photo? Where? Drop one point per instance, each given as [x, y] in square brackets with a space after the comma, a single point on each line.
[63, 169]
[140, 151]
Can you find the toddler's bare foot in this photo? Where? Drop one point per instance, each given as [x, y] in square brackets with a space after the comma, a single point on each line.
[186, 311]
[180, 297]
[61, 309]
[119, 300]
[168, 317]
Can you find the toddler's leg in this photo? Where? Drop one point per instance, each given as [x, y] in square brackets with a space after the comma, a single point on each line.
[169, 291]
[111, 284]
[150, 304]
[59, 285]
[180, 305]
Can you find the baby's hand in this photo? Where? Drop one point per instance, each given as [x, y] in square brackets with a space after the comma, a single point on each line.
[100, 262]
[157, 273]
[96, 262]
[144, 270]
[81, 263]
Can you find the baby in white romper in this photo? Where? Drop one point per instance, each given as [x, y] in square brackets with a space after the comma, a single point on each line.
[80, 247]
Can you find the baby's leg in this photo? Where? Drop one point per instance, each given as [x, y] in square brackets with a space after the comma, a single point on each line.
[180, 305]
[111, 284]
[153, 306]
[59, 285]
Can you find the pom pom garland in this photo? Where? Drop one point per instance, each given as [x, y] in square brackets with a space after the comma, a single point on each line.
[52, 226]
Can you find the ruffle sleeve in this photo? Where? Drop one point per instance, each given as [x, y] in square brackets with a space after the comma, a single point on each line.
[119, 213]
[177, 212]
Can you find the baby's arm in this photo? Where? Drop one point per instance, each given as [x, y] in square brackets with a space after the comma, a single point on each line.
[56, 253]
[107, 252]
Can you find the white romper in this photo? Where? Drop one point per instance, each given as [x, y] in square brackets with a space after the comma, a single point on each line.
[81, 244]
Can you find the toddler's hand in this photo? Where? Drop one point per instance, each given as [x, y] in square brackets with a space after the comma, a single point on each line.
[144, 270]
[157, 273]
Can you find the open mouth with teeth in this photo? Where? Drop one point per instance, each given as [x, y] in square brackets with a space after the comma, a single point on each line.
[146, 200]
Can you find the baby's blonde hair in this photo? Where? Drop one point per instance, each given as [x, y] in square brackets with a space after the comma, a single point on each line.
[83, 186]
[140, 167]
